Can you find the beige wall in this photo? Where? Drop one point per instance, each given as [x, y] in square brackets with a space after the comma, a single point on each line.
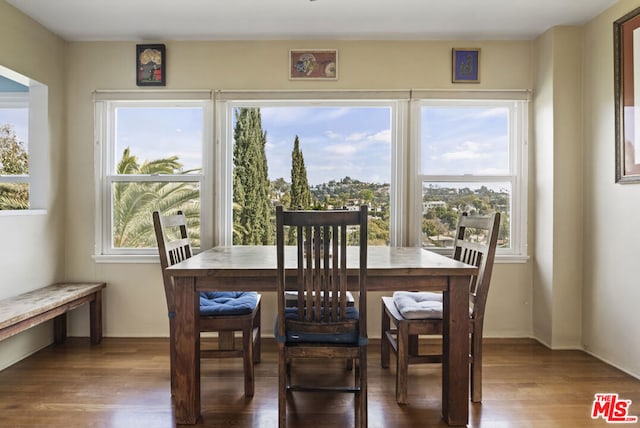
[557, 156]
[611, 292]
[262, 65]
[31, 246]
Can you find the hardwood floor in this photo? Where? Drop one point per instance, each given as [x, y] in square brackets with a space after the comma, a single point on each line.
[125, 383]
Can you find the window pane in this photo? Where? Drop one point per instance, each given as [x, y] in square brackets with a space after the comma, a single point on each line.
[14, 158]
[172, 135]
[133, 203]
[14, 196]
[346, 154]
[465, 140]
[443, 203]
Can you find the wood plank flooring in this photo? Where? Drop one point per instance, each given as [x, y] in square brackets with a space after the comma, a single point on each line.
[125, 383]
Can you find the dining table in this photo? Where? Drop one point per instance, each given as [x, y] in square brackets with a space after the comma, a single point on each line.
[233, 268]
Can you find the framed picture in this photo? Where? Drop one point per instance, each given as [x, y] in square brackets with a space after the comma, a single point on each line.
[626, 40]
[318, 64]
[465, 65]
[150, 65]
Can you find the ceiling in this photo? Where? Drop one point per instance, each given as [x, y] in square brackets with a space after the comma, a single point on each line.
[161, 20]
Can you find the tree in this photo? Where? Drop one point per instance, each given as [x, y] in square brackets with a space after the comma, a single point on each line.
[251, 187]
[134, 201]
[14, 160]
[300, 192]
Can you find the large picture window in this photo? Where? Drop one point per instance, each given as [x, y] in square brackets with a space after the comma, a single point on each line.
[307, 154]
[418, 164]
[154, 155]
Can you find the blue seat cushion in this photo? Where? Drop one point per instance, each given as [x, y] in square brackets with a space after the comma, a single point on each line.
[293, 336]
[227, 302]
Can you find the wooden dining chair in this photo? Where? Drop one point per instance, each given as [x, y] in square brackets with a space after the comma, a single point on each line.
[221, 312]
[322, 324]
[408, 314]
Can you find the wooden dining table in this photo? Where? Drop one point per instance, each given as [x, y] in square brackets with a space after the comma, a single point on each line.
[254, 268]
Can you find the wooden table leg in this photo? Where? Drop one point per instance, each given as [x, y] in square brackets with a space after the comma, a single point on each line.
[95, 318]
[187, 345]
[455, 364]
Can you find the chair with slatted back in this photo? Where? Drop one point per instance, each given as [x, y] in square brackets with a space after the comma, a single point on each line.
[221, 312]
[322, 324]
[409, 314]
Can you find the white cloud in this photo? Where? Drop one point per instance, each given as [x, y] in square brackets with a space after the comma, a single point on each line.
[342, 149]
[356, 136]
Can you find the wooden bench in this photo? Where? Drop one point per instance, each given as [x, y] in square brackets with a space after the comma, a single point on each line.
[27, 310]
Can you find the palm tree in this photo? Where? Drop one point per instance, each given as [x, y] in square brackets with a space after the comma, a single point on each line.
[134, 202]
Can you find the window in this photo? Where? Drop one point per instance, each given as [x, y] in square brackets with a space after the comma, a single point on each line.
[472, 158]
[340, 150]
[14, 159]
[154, 155]
[23, 143]
[308, 149]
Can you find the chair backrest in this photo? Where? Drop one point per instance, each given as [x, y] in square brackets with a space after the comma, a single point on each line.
[321, 280]
[173, 246]
[475, 244]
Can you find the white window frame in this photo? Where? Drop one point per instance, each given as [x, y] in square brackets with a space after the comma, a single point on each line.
[227, 101]
[517, 104]
[106, 104]
[37, 101]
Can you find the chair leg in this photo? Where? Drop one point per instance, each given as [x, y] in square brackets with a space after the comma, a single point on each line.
[384, 342]
[357, 403]
[172, 354]
[257, 351]
[413, 344]
[282, 386]
[402, 363]
[247, 359]
[362, 398]
[476, 368]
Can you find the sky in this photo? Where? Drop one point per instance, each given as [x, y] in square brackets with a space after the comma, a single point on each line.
[335, 141]
[19, 119]
[465, 140]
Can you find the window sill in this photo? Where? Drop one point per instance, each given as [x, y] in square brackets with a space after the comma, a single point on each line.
[11, 213]
[127, 258]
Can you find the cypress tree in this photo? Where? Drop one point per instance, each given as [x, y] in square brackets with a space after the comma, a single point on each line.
[252, 205]
[300, 192]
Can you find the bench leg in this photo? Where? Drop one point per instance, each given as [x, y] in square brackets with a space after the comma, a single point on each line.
[60, 329]
[95, 318]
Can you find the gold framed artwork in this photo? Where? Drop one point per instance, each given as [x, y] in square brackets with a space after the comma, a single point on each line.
[313, 64]
[465, 65]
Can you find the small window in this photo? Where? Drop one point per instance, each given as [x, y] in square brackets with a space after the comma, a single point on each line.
[471, 160]
[24, 143]
[153, 158]
[14, 156]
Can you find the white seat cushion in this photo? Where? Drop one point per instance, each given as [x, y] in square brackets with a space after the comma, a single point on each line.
[418, 305]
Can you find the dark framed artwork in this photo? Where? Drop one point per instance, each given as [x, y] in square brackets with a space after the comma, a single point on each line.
[316, 64]
[626, 40]
[465, 65]
[150, 65]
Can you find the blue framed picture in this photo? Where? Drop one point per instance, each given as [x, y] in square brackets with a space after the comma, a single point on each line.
[466, 65]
